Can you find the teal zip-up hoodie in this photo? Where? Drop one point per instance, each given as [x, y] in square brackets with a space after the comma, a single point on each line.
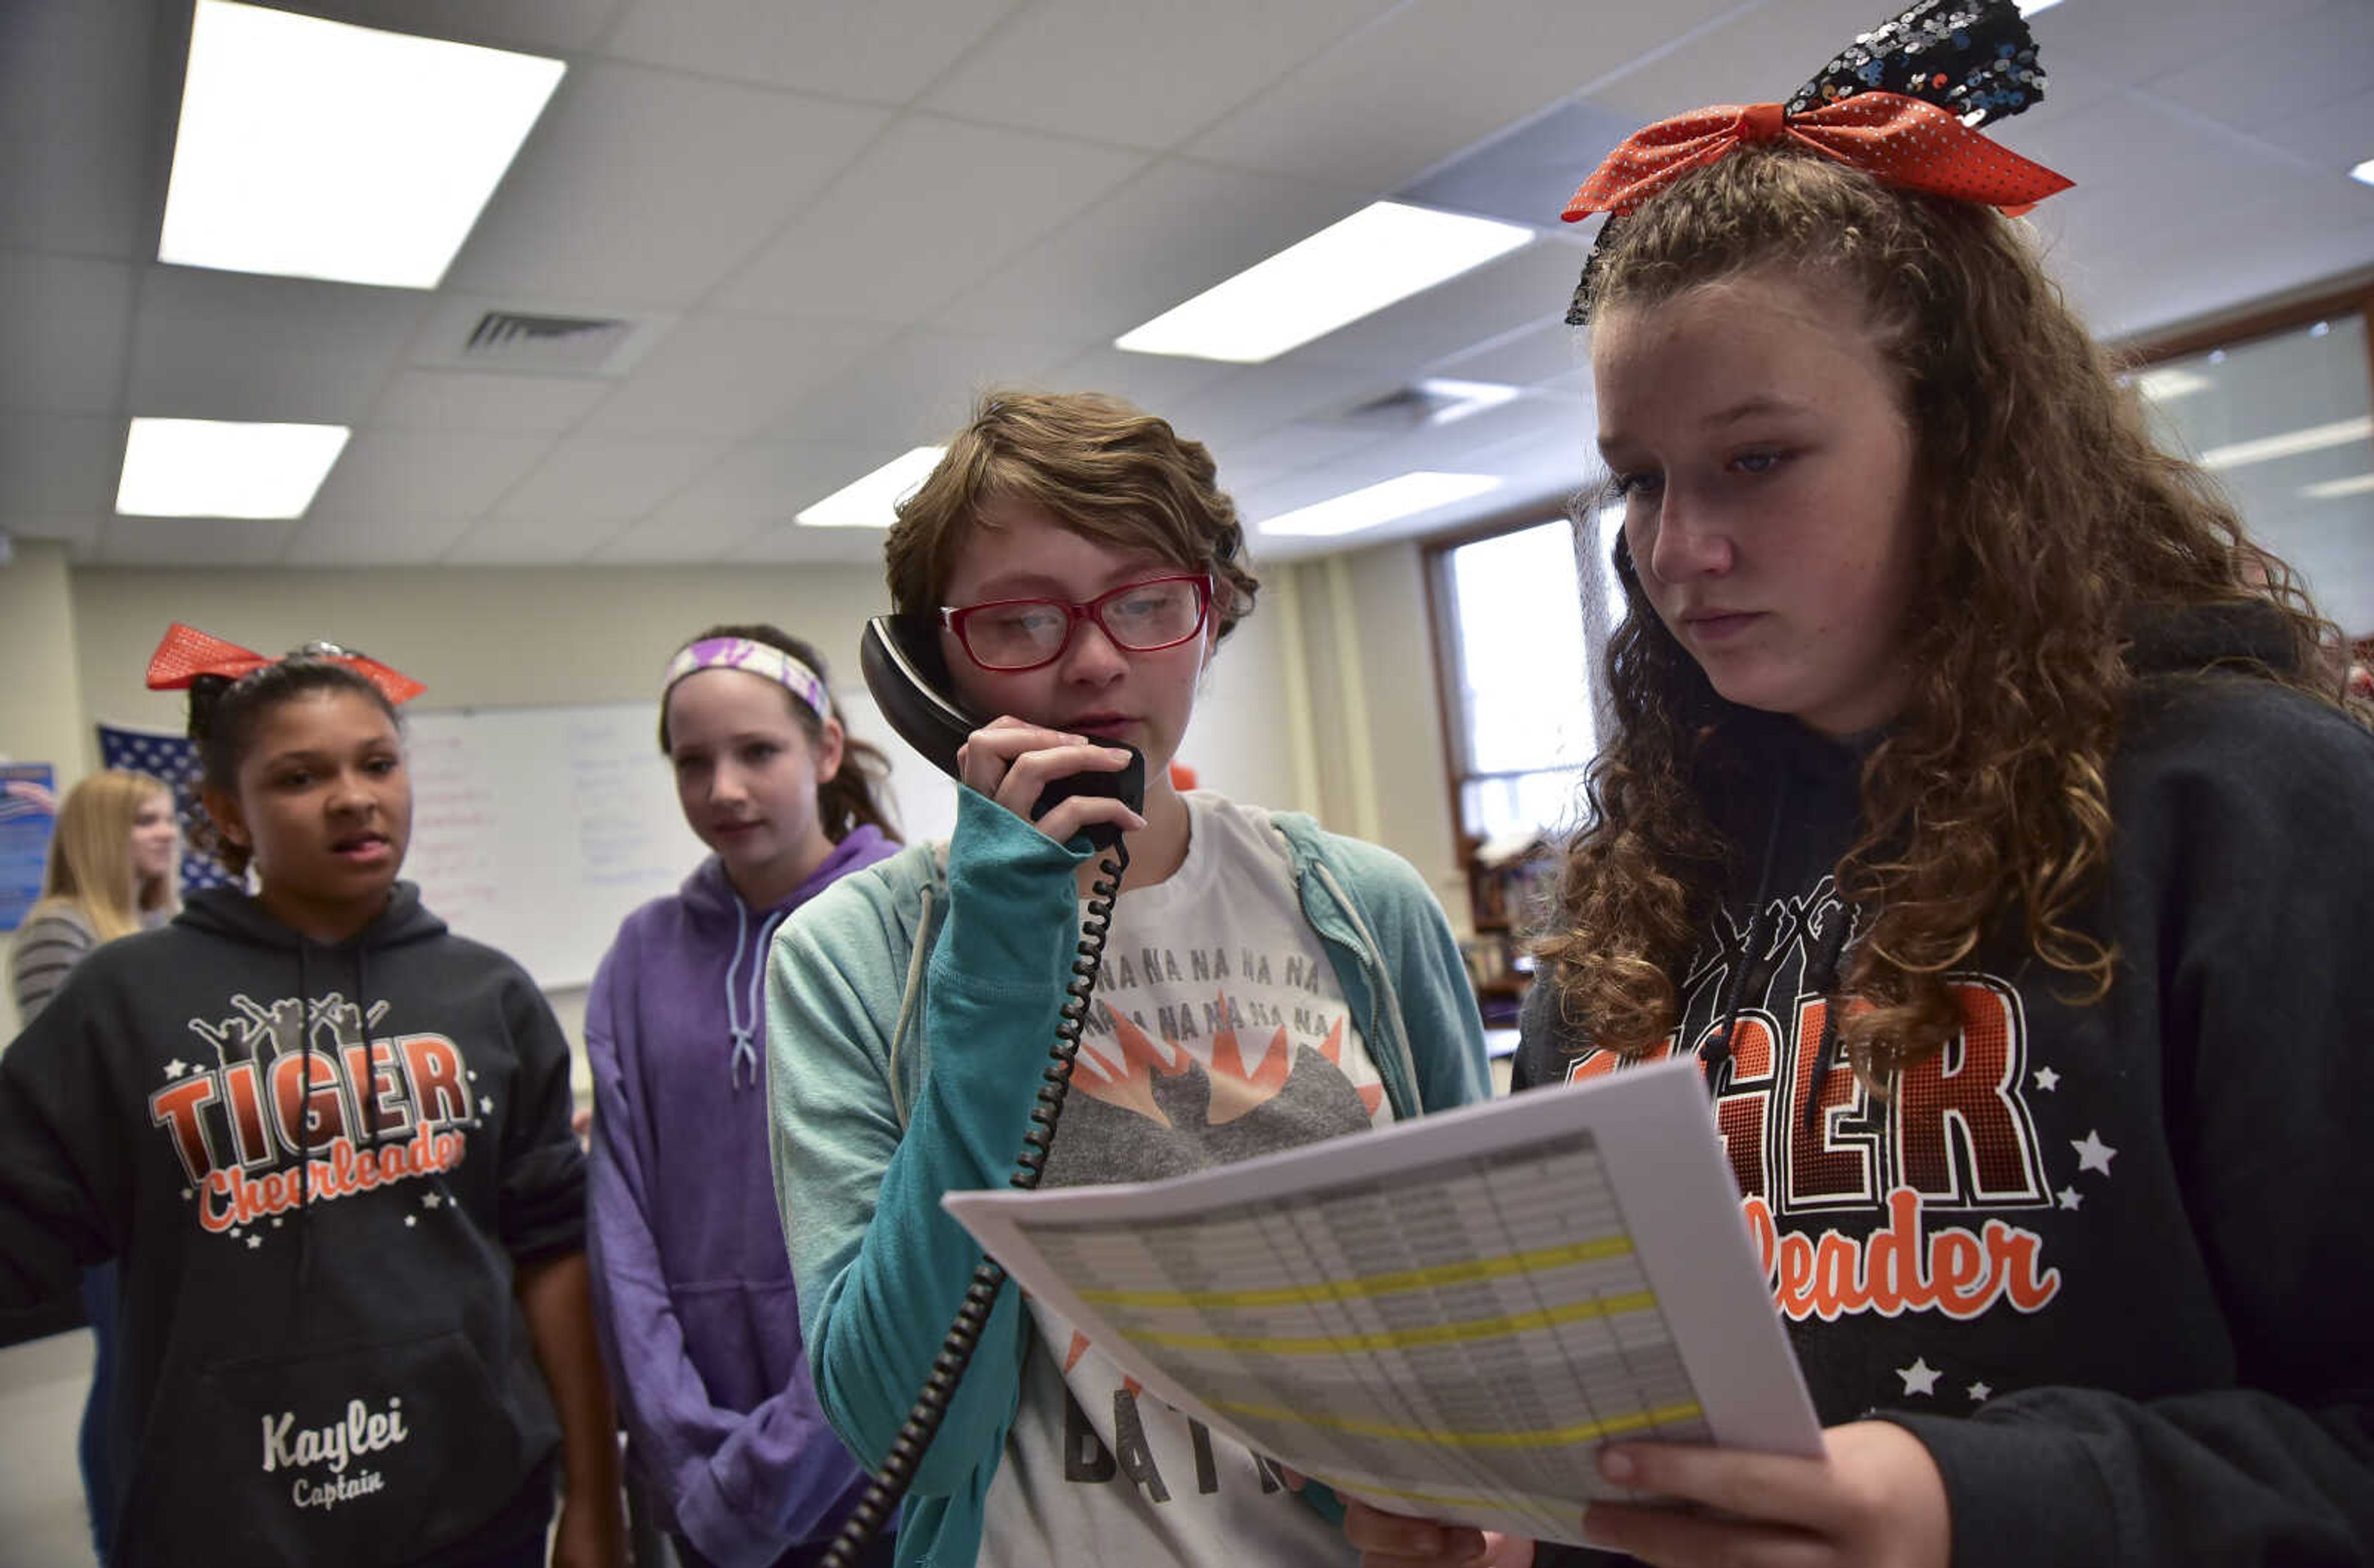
[910, 1009]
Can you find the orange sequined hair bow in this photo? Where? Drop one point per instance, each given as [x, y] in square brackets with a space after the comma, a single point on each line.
[1903, 102]
[187, 653]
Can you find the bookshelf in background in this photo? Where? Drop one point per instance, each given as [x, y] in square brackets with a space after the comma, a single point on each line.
[1510, 880]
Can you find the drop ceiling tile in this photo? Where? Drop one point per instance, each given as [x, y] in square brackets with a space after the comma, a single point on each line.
[2134, 43]
[65, 332]
[719, 377]
[646, 186]
[388, 474]
[232, 345]
[1260, 398]
[2325, 54]
[1760, 53]
[768, 483]
[877, 50]
[460, 400]
[83, 152]
[542, 540]
[1290, 449]
[1431, 79]
[194, 541]
[609, 478]
[1141, 73]
[2336, 132]
[877, 244]
[917, 387]
[1528, 174]
[789, 544]
[1146, 247]
[58, 466]
[1528, 357]
[677, 542]
[383, 539]
[1156, 382]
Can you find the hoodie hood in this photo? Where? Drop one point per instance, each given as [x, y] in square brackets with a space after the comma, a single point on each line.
[2193, 639]
[229, 912]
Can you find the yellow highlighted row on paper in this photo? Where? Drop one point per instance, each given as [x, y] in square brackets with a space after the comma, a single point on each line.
[1539, 1437]
[1467, 1271]
[1420, 1338]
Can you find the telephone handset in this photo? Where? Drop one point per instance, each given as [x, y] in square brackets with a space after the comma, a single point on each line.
[908, 680]
[904, 670]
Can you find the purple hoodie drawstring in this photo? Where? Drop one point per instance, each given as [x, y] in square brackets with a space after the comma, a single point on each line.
[742, 1015]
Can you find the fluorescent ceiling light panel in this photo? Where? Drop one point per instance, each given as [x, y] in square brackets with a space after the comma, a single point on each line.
[2364, 172]
[873, 502]
[2335, 489]
[2029, 7]
[2292, 444]
[1382, 503]
[217, 468]
[1381, 254]
[317, 150]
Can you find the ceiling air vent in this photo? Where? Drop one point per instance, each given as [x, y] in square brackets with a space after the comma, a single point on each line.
[560, 346]
[1431, 402]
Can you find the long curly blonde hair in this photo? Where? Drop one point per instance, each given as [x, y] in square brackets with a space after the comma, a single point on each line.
[2052, 519]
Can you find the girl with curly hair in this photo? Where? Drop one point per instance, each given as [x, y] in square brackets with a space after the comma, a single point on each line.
[1979, 817]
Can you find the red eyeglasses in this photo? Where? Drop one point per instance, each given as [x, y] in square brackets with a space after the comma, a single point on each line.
[1007, 634]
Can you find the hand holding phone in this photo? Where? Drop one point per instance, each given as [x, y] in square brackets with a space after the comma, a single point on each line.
[1063, 785]
[1060, 783]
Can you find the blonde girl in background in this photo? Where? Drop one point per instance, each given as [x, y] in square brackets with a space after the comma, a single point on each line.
[114, 869]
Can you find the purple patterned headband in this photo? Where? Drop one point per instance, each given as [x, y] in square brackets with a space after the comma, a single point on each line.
[757, 659]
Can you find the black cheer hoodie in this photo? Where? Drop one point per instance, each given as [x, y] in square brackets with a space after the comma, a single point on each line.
[322, 1361]
[2112, 1264]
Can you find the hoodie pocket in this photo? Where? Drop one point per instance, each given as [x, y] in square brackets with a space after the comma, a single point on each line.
[367, 1454]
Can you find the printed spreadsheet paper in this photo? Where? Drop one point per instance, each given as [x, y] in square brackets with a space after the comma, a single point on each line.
[1447, 1316]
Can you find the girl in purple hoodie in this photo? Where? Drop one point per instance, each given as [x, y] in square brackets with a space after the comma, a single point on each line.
[692, 1286]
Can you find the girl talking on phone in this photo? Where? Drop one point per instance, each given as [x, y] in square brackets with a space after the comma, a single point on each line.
[1266, 984]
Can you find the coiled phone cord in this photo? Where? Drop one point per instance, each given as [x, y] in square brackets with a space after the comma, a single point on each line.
[898, 1472]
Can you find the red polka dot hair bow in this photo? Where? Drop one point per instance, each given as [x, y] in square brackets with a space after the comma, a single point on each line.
[187, 653]
[1903, 101]
[1900, 140]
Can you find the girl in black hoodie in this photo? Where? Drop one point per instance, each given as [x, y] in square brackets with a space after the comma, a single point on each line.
[328, 1142]
[1981, 817]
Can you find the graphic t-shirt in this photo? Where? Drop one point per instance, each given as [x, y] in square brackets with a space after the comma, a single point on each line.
[1219, 1032]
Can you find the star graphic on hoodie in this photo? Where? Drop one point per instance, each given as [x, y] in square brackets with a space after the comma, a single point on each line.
[2047, 1080]
[255, 1242]
[1920, 1377]
[485, 1105]
[410, 1221]
[2093, 1154]
[175, 1067]
[2070, 1197]
[431, 1199]
[1980, 1393]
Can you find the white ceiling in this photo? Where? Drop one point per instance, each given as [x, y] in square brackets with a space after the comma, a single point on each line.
[837, 219]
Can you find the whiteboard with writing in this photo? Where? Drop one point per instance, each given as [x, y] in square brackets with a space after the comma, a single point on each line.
[538, 830]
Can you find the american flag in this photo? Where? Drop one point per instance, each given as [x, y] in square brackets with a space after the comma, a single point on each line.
[174, 759]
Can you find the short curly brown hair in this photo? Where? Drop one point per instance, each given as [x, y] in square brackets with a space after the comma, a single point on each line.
[1101, 467]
